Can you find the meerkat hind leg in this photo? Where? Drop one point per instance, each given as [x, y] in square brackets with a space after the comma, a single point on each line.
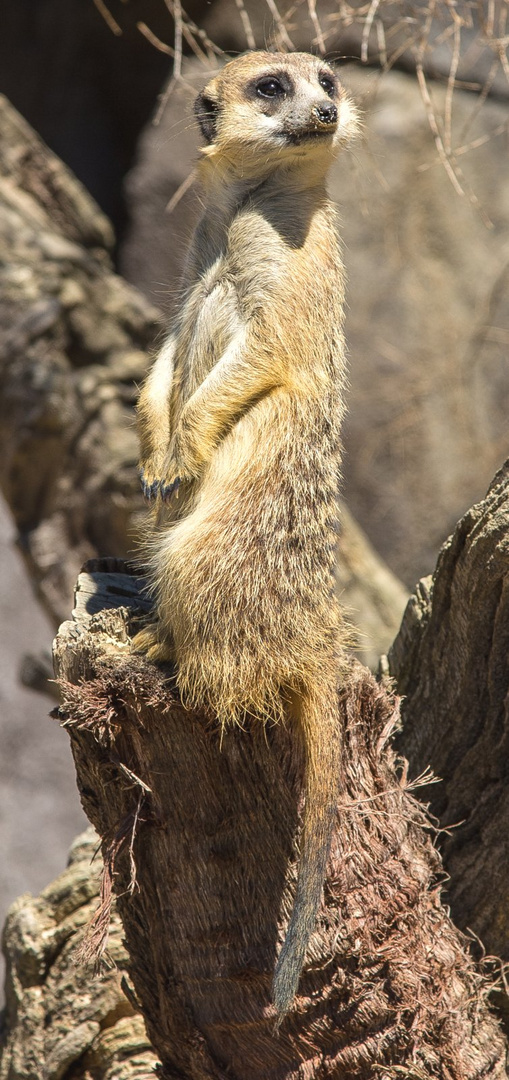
[148, 641]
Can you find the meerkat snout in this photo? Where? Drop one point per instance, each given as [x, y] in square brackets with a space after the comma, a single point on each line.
[326, 114]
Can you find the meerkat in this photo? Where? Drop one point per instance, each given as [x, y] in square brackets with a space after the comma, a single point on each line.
[239, 423]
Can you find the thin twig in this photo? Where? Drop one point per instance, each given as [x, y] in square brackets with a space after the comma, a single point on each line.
[175, 9]
[133, 878]
[163, 101]
[135, 779]
[459, 151]
[181, 191]
[316, 26]
[155, 41]
[283, 33]
[382, 43]
[186, 29]
[193, 44]
[246, 23]
[177, 16]
[201, 35]
[481, 99]
[402, 48]
[451, 84]
[432, 120]
[490, 21]
[108, 18]
[373, 8]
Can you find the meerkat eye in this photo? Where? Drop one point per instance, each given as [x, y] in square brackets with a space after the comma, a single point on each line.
[269, 88]
[327, 84]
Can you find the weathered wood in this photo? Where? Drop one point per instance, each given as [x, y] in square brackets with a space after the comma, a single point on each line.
[199, 833]
[451, 663]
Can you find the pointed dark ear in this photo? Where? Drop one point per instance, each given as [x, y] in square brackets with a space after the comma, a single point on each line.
[206, 109]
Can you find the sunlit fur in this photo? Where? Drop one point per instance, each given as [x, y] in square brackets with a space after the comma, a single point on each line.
[244, 406]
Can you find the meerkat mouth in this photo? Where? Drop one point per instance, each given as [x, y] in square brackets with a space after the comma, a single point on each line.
[298, 137]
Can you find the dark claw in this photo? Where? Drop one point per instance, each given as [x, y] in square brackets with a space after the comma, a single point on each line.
[149, 490]
[167, 490]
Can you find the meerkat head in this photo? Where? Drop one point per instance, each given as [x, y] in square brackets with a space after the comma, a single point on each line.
[266, 110]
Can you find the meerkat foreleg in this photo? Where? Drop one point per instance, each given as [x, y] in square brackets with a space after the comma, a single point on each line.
[225, 394]
[154, 420]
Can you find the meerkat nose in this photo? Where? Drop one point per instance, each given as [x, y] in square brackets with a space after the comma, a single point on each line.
[326, 114]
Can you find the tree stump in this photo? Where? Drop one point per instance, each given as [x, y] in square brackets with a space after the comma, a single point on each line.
[451, 661]
[199, 832]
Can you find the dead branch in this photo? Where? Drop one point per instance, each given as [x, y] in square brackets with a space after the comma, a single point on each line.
[451, 662]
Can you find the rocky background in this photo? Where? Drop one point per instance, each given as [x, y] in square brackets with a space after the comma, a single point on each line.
[428, 319]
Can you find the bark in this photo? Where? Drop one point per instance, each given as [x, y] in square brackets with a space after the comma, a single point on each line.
[199, 834]
[59, 1020]
[451, 663]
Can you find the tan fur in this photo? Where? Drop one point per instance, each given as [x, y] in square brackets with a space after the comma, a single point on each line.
[239, 422]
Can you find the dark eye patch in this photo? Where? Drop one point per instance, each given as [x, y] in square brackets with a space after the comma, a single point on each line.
[206, 111]
[272, 87]
[269, 88]
[327, 83]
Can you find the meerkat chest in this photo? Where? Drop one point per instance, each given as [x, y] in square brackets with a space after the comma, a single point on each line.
[209, 319]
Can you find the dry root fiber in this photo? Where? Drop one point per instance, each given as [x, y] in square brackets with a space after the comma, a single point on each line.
[199, 837]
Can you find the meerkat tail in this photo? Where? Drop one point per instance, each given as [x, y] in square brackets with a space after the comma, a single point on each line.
[319, 722]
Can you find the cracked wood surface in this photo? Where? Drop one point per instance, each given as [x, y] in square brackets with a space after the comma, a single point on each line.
[451, 663]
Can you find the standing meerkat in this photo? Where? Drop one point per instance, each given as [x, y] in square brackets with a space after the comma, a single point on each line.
[239, 423]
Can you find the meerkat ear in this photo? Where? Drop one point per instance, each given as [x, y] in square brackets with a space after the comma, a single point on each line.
[206, 108]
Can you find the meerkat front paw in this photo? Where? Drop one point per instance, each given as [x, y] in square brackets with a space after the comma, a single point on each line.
[171, 484]
[150, 473]
[150, 488]
[180, 468]
[167, 490]
[164, 484]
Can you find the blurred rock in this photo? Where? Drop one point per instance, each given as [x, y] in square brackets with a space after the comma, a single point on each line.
[59, 1016]
[40, 810]
[428, 320]
[73, 344]
[372, 597]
